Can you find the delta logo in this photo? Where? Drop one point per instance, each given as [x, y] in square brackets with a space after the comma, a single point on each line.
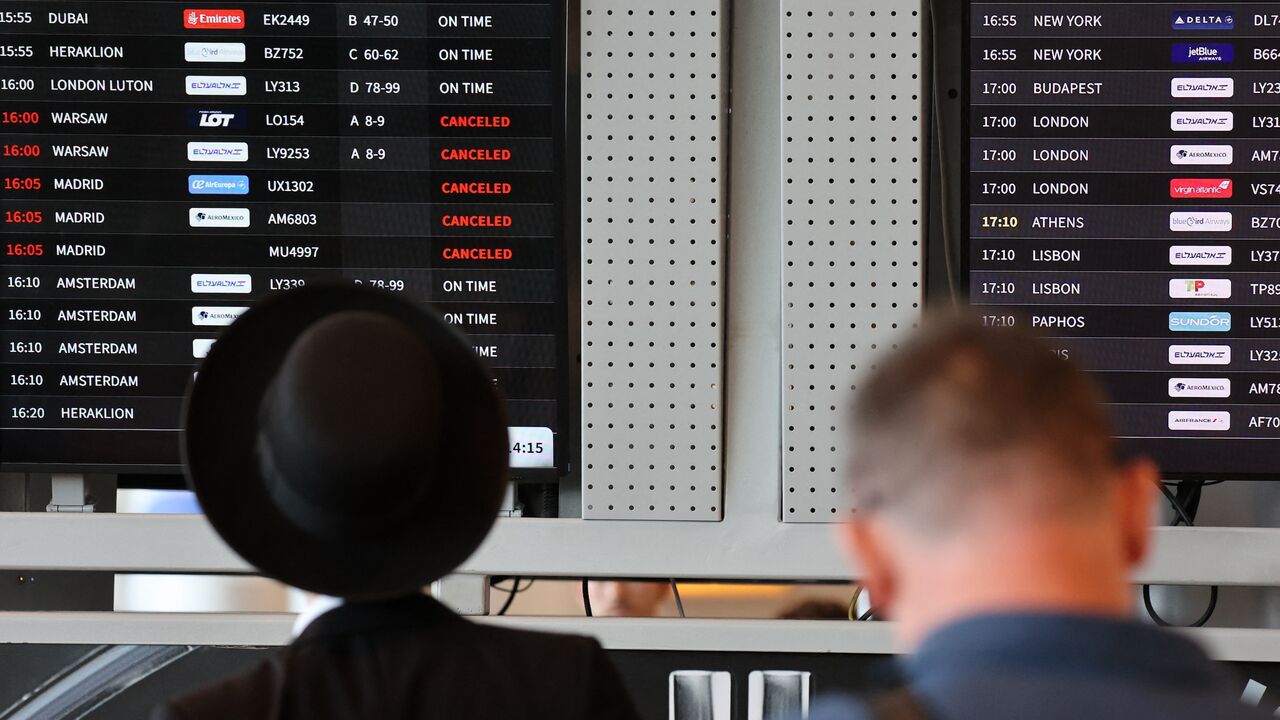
[1201, 188]
[1204, 20]
[213, 19]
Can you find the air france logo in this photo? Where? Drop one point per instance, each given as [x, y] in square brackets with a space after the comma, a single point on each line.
[213, 19]
[1204, 20]
[218, 152]
[1202, 155]
[219, 217]
[1200, 322]
[215, 316]
[1199, 255]
[218, 184]
[217, 85]
[1200, 289]
[204, 283]
[1198, 420]
[1203, 53]
[1199, 354]
[1223, 121]
[1199, 388]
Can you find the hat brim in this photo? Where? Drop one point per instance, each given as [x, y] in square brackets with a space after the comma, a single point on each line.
[220, 431]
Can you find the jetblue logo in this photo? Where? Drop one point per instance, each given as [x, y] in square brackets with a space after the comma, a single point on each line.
[1203, 53]
[218, 119]
[1204, 20]
[1200, 322]
[218, 184]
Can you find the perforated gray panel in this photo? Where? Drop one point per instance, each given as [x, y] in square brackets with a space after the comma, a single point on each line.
[653, 135]
[852, 223]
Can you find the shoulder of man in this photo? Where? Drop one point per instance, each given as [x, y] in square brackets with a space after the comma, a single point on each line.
[898, 704]
[567, 665]
[248, 695]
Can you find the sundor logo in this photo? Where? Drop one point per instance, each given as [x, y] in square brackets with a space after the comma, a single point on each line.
[1200, 322]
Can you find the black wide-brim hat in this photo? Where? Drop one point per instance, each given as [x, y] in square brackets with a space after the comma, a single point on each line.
[221, 429]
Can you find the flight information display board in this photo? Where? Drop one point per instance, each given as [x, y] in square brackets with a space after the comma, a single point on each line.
[165, 164]
[1122, 199]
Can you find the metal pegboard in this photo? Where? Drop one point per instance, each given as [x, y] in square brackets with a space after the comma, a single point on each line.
[853, 207]
[653, 144]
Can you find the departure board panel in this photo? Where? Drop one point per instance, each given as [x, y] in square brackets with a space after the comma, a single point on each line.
[1122, 198]
[166, 164]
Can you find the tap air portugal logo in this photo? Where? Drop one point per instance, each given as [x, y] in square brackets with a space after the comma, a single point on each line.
[213, 19]
[1199, 289]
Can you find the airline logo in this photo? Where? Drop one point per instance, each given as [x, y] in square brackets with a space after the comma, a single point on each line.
[1198, 53]
[1200, 322]
[213, 19]
[1200, 255]
[218, 152]
[1200, 221]
[1204, 20]
[200, 348]
[1199, 420]
[1197, 289]
[1212, 121]
[1199, 354]
[1202, 87]
[1203, 188]
[1199, 388]
[214, 52]
[1201, 155]
[217, 85]
[219, 119]
[205, 283]
[215, 316]
[218, 184]
[219, 217]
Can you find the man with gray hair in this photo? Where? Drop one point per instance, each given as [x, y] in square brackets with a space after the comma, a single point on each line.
[996, 526]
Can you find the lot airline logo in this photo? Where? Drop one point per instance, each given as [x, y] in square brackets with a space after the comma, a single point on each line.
[213, 19]
[1201, 188]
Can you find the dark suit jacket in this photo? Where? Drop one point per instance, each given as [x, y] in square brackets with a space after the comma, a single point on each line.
[414, 658]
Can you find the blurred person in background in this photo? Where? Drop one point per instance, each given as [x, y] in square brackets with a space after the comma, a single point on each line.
[626, 598]
[997, 527]
[350, 444]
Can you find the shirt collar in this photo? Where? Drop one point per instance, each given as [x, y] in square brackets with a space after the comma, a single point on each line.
[317, 605]
[360, 617]
[1025, 643]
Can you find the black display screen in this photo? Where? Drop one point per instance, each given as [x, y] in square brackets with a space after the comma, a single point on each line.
[1121, 198]
[165, 164]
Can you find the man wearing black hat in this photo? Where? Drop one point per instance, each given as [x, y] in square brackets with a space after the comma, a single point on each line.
[350, 444]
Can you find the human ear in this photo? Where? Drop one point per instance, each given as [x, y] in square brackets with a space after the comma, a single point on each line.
[1136, 492]
[863, 539]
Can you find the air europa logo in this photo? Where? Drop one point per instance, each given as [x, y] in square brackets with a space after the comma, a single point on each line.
[1205, 188]
[213, 19]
